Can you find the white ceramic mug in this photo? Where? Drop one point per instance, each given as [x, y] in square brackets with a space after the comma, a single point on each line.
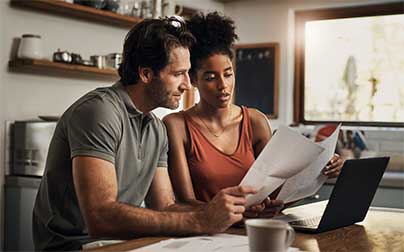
[269, 235]
[30, 47]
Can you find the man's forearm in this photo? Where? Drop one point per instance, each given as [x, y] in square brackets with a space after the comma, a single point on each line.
[192, 205]
[121, 220]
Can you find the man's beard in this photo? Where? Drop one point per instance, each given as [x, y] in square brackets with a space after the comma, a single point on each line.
[159, 94]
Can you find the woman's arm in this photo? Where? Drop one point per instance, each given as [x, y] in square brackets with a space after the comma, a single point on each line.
[177, 160]
[261, 131]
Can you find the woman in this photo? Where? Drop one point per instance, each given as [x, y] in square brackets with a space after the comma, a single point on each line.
[213, 144]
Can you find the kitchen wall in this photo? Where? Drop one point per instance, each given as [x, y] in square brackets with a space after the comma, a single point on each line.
[25, 96]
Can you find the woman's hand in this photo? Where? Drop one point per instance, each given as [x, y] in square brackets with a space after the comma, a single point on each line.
[267, 209]
[333, 167]
[254, 210]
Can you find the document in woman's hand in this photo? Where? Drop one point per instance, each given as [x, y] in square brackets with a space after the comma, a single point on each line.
[285, 155]
[309, 180]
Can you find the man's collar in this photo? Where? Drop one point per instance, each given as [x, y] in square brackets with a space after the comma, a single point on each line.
[130, 107]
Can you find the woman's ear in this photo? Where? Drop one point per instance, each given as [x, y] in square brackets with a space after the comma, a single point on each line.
[145, 74]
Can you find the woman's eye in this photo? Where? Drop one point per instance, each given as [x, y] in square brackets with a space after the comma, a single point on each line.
[209, 78]
[228, 75]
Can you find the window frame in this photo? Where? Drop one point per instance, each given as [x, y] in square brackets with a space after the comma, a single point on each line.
[301, 17]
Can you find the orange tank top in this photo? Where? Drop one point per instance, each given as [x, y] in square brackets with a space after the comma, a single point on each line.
[212, 170]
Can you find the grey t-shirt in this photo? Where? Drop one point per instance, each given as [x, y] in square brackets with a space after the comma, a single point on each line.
[105, 124]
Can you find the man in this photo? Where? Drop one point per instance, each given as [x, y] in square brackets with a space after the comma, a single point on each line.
[109, 154]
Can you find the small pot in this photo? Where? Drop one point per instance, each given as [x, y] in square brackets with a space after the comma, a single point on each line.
[62, 56]
[76, 59]
[99, 4]
[112, 5]
[98, 61]
[114, 60]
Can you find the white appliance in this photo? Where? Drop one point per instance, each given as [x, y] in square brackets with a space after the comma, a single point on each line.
[30, 143]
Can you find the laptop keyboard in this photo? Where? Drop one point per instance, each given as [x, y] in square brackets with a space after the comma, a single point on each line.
[309, 222]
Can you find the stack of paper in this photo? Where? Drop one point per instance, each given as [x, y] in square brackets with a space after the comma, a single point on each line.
[292, 159]
[219, 242]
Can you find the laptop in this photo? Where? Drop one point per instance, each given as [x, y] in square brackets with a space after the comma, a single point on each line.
[349, 202]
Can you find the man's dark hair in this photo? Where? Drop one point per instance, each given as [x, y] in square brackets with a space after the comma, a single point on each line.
[149, 44]
[214, 34]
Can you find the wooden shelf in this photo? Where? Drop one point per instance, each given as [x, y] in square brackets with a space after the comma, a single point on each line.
[46, 67]
[85, 12]
[80, 11]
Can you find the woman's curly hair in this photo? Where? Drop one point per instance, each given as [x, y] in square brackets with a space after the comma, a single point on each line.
[214, 34]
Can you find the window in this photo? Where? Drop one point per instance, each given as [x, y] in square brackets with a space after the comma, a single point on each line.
[349, 65]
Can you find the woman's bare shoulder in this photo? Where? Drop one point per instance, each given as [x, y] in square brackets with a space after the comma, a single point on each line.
[175, 117]
[175, 123]
[261, 131]
[258, 119]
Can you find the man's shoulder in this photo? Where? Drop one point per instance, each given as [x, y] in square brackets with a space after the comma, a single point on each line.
[156, 120]
[99, 100]
[101, 104]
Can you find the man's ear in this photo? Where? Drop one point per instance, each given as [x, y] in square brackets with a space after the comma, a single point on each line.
[145, 74]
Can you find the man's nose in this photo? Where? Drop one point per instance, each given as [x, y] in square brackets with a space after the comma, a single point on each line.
[186, 83]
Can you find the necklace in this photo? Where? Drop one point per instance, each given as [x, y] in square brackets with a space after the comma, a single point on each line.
[212, 132]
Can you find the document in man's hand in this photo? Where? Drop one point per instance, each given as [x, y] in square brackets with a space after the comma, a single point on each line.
[309, 181]
[285, 155]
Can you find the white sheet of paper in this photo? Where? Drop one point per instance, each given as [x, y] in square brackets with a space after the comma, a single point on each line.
[270, 185]
[309, 181]
[286, 154]
[219, 242]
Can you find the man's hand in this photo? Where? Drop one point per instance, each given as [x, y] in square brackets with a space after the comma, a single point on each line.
[225, 209]
[333, 167]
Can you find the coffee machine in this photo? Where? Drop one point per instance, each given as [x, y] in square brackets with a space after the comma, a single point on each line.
[31, 144]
